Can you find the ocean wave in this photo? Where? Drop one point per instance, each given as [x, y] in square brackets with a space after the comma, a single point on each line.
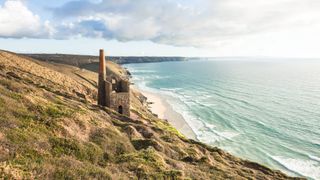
[134, 71]
[228, 134]
[171, 89]
[214, 136]
[182, 103]
[223, 135]
[315, 158]
[188, 98]
[307, 168]
[148, 77]
[209, 125]
[205, 132]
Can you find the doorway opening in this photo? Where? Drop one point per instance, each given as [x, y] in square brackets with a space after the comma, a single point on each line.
[120, 110]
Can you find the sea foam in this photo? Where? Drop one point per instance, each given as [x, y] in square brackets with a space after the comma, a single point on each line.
[307, 168]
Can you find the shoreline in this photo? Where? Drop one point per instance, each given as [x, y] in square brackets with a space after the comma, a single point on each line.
[159, 106]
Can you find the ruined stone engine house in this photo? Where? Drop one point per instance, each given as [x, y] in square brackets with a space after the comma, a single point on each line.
[113, 91]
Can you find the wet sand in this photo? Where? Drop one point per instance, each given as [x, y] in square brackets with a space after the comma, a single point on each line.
[164, 110]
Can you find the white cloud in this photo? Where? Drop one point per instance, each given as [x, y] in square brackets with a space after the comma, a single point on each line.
[17, 21]
[198, 23]
[225, 26]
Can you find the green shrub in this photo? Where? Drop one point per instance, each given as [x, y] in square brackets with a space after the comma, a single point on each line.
[145, 143]
[67, 168]
[81, 151]
[111, 142]
[27, 158]
[147, 164]
[167, 127]
[2, 105]
[147, 157]
[57, 111]
[18, 136]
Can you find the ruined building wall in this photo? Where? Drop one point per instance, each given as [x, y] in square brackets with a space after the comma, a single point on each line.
[108, 88]
[118, 100]
[113, 92]
[125, 85]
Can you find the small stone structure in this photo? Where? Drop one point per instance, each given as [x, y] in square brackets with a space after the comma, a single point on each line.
[113, 91]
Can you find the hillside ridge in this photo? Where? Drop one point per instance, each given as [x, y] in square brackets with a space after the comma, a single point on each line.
[80, 60]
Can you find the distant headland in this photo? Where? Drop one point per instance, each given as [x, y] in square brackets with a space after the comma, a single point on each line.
[80, 60]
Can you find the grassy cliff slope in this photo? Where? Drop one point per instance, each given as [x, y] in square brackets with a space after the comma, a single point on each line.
[51, 128]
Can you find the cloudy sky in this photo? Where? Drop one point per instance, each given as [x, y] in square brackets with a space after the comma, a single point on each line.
[278, 28]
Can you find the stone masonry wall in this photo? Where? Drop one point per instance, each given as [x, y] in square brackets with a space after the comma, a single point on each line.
[120, 99]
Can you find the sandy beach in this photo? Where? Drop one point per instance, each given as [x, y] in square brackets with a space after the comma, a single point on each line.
[164, 110]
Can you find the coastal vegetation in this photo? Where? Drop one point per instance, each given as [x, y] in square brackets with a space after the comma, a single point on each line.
[51, 128]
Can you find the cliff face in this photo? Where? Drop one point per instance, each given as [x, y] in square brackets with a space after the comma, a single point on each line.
[51, 127]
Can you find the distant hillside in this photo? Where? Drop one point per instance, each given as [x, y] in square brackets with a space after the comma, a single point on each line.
[80, 60]
[51, 128]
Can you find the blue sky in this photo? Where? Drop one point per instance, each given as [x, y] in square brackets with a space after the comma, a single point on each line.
[279, 28]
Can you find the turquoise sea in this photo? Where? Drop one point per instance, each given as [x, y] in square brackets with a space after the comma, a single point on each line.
[264, 110]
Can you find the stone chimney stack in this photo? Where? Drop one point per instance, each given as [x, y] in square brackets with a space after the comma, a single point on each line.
[102, 79]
